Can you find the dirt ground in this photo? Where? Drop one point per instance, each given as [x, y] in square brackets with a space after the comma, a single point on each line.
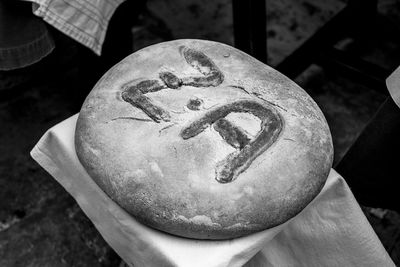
[41, 225]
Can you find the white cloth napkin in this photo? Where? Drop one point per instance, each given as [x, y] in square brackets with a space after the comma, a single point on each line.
[393, 85]
[330, 231]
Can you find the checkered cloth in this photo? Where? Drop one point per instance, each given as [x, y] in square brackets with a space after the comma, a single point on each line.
[85, 21]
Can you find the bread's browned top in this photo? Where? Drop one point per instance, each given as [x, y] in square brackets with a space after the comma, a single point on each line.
[198, 139]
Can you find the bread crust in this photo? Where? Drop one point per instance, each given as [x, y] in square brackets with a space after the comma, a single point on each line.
[198, 139]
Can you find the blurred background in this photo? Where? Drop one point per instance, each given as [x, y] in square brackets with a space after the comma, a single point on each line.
[41, 225]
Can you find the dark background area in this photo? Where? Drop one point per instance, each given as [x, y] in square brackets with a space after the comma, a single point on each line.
[41, 225]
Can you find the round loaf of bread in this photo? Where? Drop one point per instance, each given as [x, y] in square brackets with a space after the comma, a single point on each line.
[198, 139]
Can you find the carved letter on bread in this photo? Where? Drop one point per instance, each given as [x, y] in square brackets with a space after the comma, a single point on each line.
[247, 150]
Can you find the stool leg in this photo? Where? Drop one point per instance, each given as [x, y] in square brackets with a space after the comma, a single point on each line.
[258, 27]
[118, 42]
[249, 27]
[241, 25]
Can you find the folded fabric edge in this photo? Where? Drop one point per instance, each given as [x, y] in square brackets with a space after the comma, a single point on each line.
[43, 158]
[393, 86]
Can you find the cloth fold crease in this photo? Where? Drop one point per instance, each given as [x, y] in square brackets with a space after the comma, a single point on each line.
[330, 231]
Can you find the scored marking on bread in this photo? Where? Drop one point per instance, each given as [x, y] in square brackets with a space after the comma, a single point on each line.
[238, 161]
[247, 150]
[135, 95]
[171, 80]
[232, 134]
[194, 103]
[211, 76]
[198, 60]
